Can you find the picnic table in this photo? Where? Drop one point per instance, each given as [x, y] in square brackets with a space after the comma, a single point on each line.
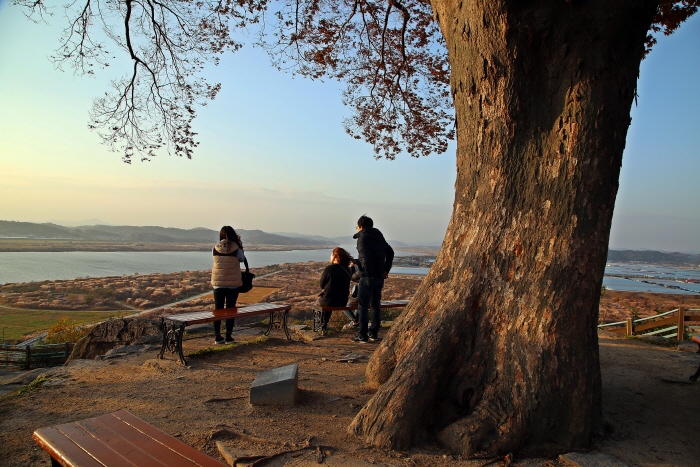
[118, 439]
[173, 326]
[319, 309]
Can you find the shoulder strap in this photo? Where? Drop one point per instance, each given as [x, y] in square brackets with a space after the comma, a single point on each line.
[245, 261]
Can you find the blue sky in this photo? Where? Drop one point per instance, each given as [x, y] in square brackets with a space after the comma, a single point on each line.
[274, 155]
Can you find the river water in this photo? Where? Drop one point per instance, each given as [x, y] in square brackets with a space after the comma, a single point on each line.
[39, 266]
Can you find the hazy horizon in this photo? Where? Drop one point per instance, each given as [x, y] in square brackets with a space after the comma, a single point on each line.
[642, 244]
[273, 154]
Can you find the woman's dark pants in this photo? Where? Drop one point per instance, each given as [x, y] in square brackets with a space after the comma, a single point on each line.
[227, 296]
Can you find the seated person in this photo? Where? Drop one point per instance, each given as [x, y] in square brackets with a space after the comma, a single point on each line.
[335, 282]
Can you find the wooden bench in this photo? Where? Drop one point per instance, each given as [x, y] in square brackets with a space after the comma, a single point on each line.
[694, 378]
[319, 309]
[173, 326]
[119, 439]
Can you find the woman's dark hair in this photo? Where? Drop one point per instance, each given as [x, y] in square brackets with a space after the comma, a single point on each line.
[342, 255]
[228, 232]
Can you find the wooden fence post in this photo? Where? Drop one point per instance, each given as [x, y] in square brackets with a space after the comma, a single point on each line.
[629, 328]
[29, 356]
[681, 323]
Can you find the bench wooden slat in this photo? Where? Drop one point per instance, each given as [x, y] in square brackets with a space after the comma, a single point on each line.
[97, 449]
[184, 450]
[139, 448]
[199, 317]
[62, 449]
[119, 439]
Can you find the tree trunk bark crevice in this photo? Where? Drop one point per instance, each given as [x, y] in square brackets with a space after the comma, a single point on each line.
[498, 351]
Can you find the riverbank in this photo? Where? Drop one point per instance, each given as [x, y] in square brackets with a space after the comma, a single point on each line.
[158, 294]
[59, 245]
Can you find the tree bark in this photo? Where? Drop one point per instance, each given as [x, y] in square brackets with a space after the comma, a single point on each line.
[498, 350]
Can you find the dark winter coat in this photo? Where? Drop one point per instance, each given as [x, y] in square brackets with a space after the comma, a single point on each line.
[335, 282]
[374, 253]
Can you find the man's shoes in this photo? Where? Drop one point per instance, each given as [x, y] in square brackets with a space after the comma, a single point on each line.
[351, 324]
[218, 340]
[359, 340]
[228, 339]
[374, 338]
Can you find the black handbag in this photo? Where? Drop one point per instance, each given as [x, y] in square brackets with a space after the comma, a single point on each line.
[247, 278]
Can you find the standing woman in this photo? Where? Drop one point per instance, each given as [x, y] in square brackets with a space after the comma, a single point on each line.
[226, 277]
[335, 282]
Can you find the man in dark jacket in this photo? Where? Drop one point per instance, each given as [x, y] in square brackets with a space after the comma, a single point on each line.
[374, 257]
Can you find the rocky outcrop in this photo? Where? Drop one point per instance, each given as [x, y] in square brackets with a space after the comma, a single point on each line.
[115, 332]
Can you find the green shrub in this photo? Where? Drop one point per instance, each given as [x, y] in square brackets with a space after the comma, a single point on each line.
[65, 330]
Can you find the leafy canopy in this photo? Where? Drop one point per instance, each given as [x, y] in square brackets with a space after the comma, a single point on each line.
[390, 54]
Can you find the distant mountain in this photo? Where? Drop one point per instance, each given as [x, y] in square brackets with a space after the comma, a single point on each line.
[29, 230]
[92, 221]
[258, 237]
[145, 234]
[345, 240]
[653, 257]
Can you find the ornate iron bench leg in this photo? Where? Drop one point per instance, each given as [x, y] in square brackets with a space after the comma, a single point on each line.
[165, 338]
[279, 321]
[270, 323]
[284, 324]
[172, 339]
[180, 333]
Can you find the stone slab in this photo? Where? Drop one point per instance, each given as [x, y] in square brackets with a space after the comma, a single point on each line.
[590, 459]
[278, 386]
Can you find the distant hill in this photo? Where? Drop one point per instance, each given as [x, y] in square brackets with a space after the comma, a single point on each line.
[145, 234]
[345, 240]
[653, 257]
[29, 229]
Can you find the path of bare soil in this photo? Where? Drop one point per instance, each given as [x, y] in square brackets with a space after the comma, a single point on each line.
[648, 422]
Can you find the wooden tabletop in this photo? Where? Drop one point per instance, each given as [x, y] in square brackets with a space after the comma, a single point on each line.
[227, 313]
[119, 439]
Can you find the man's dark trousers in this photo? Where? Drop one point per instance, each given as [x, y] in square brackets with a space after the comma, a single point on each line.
[369, 297]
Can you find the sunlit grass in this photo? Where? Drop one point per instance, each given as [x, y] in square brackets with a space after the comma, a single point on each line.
[17, 323]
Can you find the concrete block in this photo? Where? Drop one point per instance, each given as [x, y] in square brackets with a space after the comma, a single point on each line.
[278, 386]
[590, 459]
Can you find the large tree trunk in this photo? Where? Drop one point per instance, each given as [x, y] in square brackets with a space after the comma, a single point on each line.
[498, 351]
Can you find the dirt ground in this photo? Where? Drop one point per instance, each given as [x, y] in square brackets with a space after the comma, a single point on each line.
[648, 422]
